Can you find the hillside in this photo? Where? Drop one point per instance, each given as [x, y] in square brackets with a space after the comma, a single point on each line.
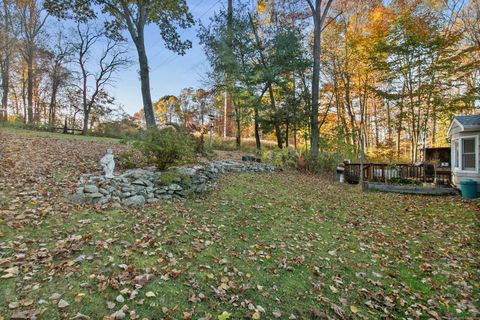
[283, 245]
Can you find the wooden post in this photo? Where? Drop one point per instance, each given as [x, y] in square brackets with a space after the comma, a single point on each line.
[362, 161]
[65, 126]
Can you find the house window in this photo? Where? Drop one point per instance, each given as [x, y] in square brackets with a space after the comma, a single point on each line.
[469, 158]
[456, 156]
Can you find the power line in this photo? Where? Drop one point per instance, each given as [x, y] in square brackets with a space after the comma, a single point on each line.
[192, 10]
[173, 56]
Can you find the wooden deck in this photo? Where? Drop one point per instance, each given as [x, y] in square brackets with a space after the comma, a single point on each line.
[383, 172]
[430, 191]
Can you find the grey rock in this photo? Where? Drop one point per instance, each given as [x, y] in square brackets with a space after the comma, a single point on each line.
[125, 195]
[94, 195]
[139, 186]
[175, 187]
[140, 182]
[136, 201]
[182, 193]
[80, 258]
[161, 190]
[119, 315]
[104, 200]
[90, 188]
[55, 296]
[116, 205]
[63, 304]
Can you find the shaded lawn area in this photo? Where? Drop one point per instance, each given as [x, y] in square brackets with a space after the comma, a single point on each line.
[261, 246]
[55, 135]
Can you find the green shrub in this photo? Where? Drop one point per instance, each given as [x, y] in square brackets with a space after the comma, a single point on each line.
[323, 162]
[173, 176]
[282, 158]
[133, 159]
[120, 129]
[166, 147]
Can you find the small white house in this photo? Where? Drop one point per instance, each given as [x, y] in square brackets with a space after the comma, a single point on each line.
[464, 136]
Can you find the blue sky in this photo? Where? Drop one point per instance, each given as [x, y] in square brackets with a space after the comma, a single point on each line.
[169, 72]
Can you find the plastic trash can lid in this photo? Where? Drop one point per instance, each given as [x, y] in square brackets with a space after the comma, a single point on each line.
[468, 182]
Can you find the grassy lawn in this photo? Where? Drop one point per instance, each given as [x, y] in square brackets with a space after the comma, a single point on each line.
[55, 135]
[261, 246]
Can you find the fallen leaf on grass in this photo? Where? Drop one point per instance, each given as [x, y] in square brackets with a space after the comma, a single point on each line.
[224, 316]
[63, 304]
[10, 273]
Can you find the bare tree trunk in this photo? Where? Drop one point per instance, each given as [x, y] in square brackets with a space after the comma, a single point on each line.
[30, 85]
[17, 107]
[86, 119]
[145, 81]
[24, 98]
[238, 134]
[228, 103]
[256, 124]
[319, 17]
[5, 88]
[315, 83]
[257, 133]
[286, 134]
[278, 132]
[53, 105]
[295, 135]
[7, 55]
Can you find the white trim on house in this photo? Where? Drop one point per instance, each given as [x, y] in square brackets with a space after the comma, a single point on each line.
[460, 155]
[455, 121]
[462, 127]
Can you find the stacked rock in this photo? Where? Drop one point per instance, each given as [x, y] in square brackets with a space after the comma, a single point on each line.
[136, 187]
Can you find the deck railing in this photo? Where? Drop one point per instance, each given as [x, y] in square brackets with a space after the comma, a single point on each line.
[383, 172]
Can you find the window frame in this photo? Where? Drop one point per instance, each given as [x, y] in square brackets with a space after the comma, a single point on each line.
[458, 167]
[456, 154]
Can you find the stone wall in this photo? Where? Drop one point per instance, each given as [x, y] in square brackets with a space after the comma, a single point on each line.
[136, 187]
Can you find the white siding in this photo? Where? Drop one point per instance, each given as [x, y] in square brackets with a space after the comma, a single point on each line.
[458, 175]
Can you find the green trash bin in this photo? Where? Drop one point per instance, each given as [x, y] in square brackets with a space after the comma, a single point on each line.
[469, 189]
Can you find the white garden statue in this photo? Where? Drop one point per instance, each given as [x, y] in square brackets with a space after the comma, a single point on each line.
[108, 163]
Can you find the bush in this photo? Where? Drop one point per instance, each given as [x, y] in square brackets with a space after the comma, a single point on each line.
[282, 158]
[132, 159]
[166, 147]
[324, 162]
[173, 176]
[121, 129]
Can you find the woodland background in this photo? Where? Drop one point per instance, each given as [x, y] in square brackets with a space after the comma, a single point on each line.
[392, 74]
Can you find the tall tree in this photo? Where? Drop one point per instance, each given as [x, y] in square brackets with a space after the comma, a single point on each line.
[95, 76]
[134, 16]
[60, 54]
[8, 38]
[32, 21]
[319, 9]
[228, 108]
